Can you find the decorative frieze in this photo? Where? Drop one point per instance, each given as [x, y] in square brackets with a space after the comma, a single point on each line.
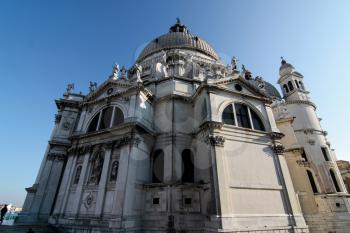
[215, 140]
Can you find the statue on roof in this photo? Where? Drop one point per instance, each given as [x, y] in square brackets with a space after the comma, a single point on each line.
[93, 86]
[138, 71]
[234, 63]
[123, 72]
[178, 21]
[70, 87]
[116, 71]
[243, 68]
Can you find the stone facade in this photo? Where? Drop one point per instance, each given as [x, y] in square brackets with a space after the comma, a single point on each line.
[182, 143]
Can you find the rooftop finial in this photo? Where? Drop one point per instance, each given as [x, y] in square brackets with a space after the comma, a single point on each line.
[178, 20]
[178, 26]
[283, 61]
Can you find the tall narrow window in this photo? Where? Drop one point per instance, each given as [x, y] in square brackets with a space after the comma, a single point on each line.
[158, 166]
[106, 118]
[228, 116]
[118, 117]
[312, 181]
[325, 153]
[114, 171]
[296, 83]
[257, 123]
[334, 179]
[93, 123]
[290, 85]
[242, 116]
[187, 166]
[77, 175]
[285, 87]
[301, 85]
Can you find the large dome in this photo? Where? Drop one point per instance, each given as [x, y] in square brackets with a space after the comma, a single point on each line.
[178, 37]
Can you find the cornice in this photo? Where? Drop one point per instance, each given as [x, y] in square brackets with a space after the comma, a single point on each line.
[62, 103]
[311, 131]
[301, 102]
[122, 94]
[129, 126]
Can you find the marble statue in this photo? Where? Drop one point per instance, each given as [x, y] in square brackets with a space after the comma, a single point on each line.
[116, 71]
[93, 86]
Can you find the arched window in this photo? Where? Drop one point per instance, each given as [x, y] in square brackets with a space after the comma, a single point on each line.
[106, 117]
[110, 117]
[228, 116]
[334, 179]
[245, 117]
[77, 175]
[114, 171]
[187, 166]
[257, 123]
[296, 83]
[242, 116]
[301, 85]
[158, 166]
[290, 86]
[93, 123]
[312, 181]
[118, 117]
[96, 168]
[285, 87]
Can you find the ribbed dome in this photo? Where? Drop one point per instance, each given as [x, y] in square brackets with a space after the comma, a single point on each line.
[178, 38]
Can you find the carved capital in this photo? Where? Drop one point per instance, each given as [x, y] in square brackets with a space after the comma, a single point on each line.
[278, 149]
[303, 163]
[108, 145]
[215, 140]
[276, 135]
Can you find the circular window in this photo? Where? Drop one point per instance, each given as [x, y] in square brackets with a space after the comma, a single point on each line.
[238, 87]
[110, 91]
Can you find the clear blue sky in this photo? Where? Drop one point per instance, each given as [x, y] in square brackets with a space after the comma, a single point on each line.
[46, 44]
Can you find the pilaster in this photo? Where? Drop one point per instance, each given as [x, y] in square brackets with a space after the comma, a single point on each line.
[103, 180]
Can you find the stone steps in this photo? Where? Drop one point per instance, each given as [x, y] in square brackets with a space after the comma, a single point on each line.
[25, 228]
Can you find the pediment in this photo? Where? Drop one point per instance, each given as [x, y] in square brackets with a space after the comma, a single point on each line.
[242, 86]
[108, 88]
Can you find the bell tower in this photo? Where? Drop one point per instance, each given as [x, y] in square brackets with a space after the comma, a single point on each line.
[291, 83]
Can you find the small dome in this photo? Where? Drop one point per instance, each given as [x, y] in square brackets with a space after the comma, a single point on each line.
[285, 64]
[268, 88]
[272, 91]
[178, 37]
[286, 67]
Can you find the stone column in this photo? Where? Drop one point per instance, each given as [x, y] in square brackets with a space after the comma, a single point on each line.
[218, 176]
[103, 180]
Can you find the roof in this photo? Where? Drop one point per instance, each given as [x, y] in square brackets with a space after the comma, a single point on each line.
[178, 37]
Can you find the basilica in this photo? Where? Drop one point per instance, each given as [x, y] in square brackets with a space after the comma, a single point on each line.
[181, 142]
